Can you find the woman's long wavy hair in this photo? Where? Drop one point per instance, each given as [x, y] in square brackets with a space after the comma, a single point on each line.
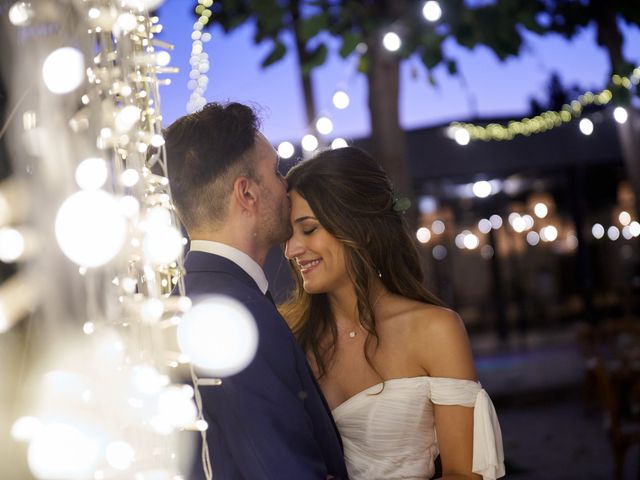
[352, 198]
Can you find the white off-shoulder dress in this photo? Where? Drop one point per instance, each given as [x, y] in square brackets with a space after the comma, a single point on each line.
[392, 435]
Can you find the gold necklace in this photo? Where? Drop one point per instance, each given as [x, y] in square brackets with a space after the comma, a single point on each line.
[353, 333]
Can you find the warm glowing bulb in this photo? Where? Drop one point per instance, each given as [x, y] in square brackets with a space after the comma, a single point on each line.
[597, 231]
[423, 235]
[219, 335]
[339, 143]
[620, 114]
[341, 99]
[63, 70]
[324, 125]
[586, 126]
[624, 218]
[90, 228]
[391, 41]
[541, 210]
[432, 11]
[471, 241]
[286, 150]
[482, 189]
[461, 136]
[91, 173]
[309, 142]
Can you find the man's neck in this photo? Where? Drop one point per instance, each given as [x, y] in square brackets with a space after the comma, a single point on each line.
[235, 240]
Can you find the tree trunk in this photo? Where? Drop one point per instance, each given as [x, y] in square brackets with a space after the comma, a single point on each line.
[610, 37]
[307, 85]
[388, 140]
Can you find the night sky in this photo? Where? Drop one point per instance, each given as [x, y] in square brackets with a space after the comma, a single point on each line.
[485, 86]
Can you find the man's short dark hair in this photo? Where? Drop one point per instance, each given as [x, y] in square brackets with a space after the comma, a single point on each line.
[206, 151]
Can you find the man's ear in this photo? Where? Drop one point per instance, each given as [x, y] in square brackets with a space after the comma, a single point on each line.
[245, 193]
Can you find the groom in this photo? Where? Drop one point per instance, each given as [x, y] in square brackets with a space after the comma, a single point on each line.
[269, 421]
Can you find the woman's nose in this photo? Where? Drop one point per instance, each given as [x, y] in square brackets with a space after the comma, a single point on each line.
[293, 248]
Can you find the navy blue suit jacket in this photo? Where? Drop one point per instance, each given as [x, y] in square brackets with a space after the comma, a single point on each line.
[269, 421]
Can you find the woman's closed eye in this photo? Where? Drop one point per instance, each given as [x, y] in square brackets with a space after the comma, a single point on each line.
[309, 231]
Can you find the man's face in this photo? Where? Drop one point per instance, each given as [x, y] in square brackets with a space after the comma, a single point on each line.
[274, 206]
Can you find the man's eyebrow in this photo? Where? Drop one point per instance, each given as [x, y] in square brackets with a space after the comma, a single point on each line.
[302, 219]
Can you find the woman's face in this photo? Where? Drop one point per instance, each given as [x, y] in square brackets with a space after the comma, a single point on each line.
[318, 255]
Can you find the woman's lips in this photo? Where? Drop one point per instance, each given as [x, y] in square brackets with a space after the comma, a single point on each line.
[308, 266]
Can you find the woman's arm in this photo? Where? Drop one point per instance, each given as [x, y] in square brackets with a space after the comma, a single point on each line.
[444, 351]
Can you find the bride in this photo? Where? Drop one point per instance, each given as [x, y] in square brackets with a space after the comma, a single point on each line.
[394, 365]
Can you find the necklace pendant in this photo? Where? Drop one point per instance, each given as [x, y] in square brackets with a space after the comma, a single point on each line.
[352, 334]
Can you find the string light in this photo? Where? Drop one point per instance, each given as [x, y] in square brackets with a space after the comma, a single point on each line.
[529, 126]
[391, 41]
[199, 61]
[341, 99]
[286, 150]
[339, 143]
[586, 126]
[432, 11]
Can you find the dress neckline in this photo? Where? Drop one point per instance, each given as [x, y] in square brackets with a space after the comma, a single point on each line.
[377, 385]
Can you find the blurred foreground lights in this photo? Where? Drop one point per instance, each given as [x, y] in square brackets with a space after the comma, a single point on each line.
[620, 114]
[461, 136]
[549, 233]
[309, 142]
[324, 125]
[423, 235]
[62, 451]
[597, 231]
[634, 228]
[339, 143]
[219, 335]
[341, 99]
[432, 11]
[157, 140]
[391, 41]
[63, 70]
[127, 22]
[90, 228]
[613, 233]
[162, 244]
[286, 150]
[129, 206]
[147, 380]
[127, 118]
[541, 210]
[119, 455]
[11, 245]
[25, 428]
[439, 252]
[586, 126]
[176, 406]
[20, 13]
[518, 224]
[533, 238]
[129, 177]
[151, 310]
[91, 173]
[163, 58]
[482, 189]
[624, 218]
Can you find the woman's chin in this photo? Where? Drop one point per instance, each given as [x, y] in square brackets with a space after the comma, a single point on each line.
[311, 288]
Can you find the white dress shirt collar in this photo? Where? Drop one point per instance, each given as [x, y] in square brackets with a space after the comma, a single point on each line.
[238, 257]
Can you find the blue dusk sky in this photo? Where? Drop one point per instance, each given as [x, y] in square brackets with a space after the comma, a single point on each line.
[484, 87]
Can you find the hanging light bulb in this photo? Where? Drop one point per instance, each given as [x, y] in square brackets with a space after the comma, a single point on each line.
[391, 41]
